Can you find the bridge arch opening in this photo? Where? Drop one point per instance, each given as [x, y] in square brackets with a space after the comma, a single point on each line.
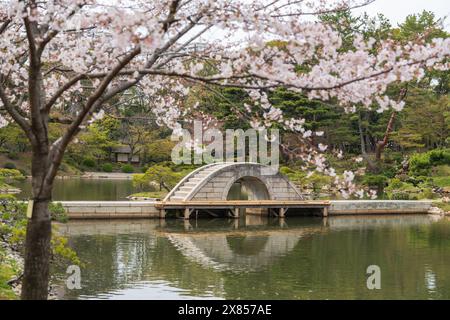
[248, 188]
[247, 245]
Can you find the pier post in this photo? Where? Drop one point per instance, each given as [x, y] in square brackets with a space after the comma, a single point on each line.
[236, 213]
[325, 211]
[162, 214]
[187, 213]
[282, 212]
[187, 225]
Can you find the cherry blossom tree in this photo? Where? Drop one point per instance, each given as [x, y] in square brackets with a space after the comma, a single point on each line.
[66, 60]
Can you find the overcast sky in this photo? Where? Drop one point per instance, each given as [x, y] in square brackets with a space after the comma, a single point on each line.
[397, 10]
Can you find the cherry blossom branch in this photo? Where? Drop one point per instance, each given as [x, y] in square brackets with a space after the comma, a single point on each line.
[215, 80]
[62, 90]
[172, 41]
[150, 62]
[59, 146]
[320, 12]
[53, 33]
[21, 121]
[153, 58]
[184, 45]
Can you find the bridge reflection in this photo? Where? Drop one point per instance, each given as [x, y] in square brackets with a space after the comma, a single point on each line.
[256, 257]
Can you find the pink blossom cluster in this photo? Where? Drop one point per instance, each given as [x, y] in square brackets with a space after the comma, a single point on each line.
[78, 47]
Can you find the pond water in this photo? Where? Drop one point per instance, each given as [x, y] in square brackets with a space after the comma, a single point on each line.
[84, 189]
[261, 258]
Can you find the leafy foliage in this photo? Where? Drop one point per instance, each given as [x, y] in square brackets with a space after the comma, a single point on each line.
[163, 176]
[421, 163]
[107, 167]
[13, 224]
[127, 168]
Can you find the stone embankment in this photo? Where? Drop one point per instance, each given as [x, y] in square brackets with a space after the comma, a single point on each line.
[147, 209]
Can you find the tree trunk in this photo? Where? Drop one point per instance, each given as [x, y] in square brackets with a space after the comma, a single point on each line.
[38, 236]
[382, 144]
[371, 165]
[37, 253]
[361, 135]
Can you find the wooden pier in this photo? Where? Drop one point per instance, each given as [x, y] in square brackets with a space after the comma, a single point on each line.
[275, 207]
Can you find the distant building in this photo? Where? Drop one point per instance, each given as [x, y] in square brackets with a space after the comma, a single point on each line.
[122, 154]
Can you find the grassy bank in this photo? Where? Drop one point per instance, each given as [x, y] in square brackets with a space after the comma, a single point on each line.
[7, 272]
[150, 194]
[442, 205]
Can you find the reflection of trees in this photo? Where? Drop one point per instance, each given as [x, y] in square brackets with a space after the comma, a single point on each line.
[413, 259]
[111, 262]
[192, 277]
[85, 189]
[334, 267]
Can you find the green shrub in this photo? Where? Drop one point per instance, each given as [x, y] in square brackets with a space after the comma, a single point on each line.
[14, 224]
[426, 193]
[441, 171]
[420, 180]
[127, 168]
[9, 165]
[400, 196]
[421, 163]
[63, 167]
[286, 170]
[23, 172]
[13, 155]
[107, 167]
[9, 175]
[293, 175]
[393, 156]
[395, 184]
[442, 181]
[57, 212]
[317, 181]
[375, 181]
[398, 190]
[89, 162]
[439, 157]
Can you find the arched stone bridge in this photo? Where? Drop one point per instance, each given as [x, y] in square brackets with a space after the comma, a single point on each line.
[215, 181]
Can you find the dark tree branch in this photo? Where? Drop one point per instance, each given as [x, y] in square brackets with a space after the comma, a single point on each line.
[4, 26]
[171, 17]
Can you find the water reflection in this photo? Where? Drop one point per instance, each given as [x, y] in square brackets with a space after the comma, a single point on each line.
[260, 258]
[84, 189]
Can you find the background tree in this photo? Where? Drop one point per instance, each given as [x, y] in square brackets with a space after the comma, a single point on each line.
[164, 176]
